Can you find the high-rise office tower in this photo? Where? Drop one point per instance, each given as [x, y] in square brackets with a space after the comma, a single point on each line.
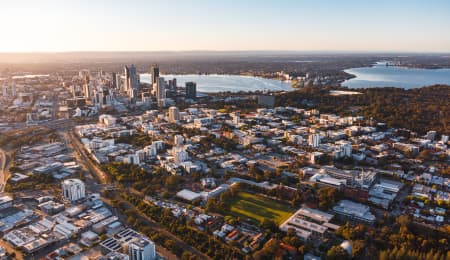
[171, 90]
[118, 81]
[154, 70]
[83, 73]
[132, 92]
[191, 90]
[73, 190]
[101, 74]
[102, 96]
[161, 89]
[114, 80]
[133, 75]
[141, 249]
[174, 83]
[87, 79]
[127, 77]
[174, 114]
[73, 91]
[131, 79]
[87, 91]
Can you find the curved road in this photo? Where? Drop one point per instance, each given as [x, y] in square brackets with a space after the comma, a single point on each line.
[3, 170]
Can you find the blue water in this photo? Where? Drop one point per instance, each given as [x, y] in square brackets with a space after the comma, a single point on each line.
[31, 76]
[381, 75]
[222, 83]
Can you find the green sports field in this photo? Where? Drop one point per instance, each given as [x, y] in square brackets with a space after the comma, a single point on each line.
[255, 207]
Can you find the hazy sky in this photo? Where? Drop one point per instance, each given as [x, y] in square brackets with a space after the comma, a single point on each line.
[153, 25]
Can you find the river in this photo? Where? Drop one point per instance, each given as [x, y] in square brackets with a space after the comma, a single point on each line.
[222, 83]
[380, 75]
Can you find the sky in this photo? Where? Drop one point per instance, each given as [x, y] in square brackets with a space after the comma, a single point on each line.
[180, 25]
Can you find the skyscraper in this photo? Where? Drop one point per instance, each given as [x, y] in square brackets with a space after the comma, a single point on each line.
[154, 70]
[87, 91]
[160, 89]
[131, 78]
[113, 80]
[191, 90]
[127, 77]
[118, 81]
[87, 79]
[174, 84]
[83, 73]
[101, 74]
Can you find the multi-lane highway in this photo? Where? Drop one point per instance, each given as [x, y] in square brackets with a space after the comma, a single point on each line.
[3, 169]
[83, 157]
[64, 127]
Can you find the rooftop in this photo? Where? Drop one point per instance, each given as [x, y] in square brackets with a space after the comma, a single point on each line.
[5, 199]
[188, 195]
[353, 209]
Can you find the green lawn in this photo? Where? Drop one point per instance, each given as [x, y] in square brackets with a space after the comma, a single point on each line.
[255, 207]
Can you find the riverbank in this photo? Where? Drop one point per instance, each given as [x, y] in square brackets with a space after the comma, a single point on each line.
[419, 109]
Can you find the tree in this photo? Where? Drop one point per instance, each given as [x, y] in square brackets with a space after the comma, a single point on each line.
[269, 224]
[268, 251]
[187, 256]
[383, 255]
[231, 220]
[327, 196]
[404, 220]
[291, 232]
[350, 233]
[211, 205]
[173, 181]
[337, 253]
[358, 247]
[169, 243]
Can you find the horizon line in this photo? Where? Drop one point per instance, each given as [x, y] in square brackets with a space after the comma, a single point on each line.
[225, 51]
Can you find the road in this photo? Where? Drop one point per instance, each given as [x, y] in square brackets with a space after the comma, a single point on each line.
[96, 180]
[155, 226]
[3, 169]
[84, 159]
[59, 124]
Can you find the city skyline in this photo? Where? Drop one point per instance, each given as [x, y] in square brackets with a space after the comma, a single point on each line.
[224, 129]
[72, 26]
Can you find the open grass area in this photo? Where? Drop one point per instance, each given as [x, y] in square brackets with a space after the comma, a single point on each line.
[255, 207]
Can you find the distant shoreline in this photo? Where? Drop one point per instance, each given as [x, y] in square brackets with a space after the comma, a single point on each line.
[336, 88]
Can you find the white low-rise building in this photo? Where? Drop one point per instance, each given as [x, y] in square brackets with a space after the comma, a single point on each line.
[354, 211]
